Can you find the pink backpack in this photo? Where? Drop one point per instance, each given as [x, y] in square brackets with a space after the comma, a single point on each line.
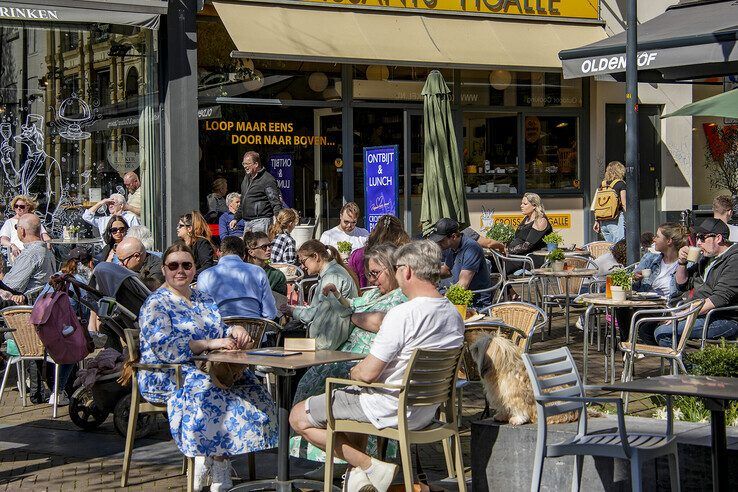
[58, 327]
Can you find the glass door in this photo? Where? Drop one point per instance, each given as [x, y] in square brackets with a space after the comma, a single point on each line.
[411, 174]
[327, 184]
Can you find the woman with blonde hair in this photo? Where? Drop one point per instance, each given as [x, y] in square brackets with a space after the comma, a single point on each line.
[21, 205]
[612, 226]
[388, 230]
[194, 231]
[530, 232]
[283, 244]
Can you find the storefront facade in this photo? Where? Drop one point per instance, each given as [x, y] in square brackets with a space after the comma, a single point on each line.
[520, 126]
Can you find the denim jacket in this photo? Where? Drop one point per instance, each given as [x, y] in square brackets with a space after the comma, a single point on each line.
[652, 261]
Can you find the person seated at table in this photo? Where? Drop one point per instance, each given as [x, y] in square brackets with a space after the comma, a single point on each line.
[387, 230]
[34, 265]
[722, 208]
[206, 422]
[218, 199]
[116, 208]
[426, 321]
[194, 231]
[239, 288]
[21, 205]
[233, 201]
[464, 260]
[259, 253]
[530, 232]
[114, 232]
[133, 255]
[322, 321]
[280, 233]
[366, 314]
[484, 241]
[346, 230]
[616, 257]
[718, 271]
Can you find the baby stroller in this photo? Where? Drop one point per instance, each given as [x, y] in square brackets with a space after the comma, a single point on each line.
[116, 295]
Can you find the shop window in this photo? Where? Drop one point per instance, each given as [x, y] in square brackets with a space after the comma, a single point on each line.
[490, 153]
[393, 83]
[551, 158]
[516, 88]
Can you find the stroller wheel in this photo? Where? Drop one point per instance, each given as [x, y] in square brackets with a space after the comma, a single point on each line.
[146, 422]
[83, 411]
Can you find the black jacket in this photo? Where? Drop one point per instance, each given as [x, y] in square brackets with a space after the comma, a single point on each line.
[721, 286]
[260, 197]
[204, 255]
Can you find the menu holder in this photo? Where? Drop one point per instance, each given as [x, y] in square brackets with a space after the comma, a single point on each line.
[273, 352]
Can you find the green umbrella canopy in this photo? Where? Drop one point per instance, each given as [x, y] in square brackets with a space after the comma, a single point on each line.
[723, 105]
[443, 180]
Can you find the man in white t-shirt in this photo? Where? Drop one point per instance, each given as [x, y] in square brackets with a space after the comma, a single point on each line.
[428, 321]
[346, 229]
[722, 208]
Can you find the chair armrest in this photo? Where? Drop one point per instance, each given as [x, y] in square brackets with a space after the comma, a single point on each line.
[707, 320]
[582, 399]
[351, 382]
[155, 367]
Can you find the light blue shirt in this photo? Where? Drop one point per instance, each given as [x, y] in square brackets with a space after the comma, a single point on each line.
[239, 288]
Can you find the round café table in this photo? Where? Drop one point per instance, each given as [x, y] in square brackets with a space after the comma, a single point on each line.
[601, 300]
[566, 275]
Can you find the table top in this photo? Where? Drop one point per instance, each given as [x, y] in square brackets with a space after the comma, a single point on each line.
[577, 272]
[484, 320]
[602, 300]
[81, 240]
[567, 253]
[716, 388]
[300, 361]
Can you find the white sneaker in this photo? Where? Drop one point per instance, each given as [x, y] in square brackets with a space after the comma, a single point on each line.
[355, 480]
[220, 474]
[382, 474]
[202, 472]
[579, 324]
[62, 401]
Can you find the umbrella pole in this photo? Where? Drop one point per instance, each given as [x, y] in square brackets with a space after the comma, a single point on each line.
[632, 166]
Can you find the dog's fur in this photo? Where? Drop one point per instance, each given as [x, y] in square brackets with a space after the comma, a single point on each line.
[506, 382]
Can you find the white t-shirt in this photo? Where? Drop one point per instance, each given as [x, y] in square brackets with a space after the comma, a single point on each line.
[357, 237]
[733, 233]
[8, 230]
[662, 282]
[424, 322]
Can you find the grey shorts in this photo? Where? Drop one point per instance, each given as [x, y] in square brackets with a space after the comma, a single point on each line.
[346, 406]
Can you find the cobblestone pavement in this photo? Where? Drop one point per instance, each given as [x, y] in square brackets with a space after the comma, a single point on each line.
[40, 453]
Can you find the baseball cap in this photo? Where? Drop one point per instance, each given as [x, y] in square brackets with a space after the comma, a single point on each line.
[713, 226]
[79, 254]
[443, 228]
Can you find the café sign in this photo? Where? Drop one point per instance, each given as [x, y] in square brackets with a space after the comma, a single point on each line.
[558, 221]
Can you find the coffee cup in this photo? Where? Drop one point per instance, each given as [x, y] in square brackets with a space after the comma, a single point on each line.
[468, 189]
[646, 272]
[693, 254]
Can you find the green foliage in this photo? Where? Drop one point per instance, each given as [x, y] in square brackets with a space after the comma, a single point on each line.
[458, 295]
[344, 247]
[622, 278]
[501, 232]
[556, 255]
[554, 237]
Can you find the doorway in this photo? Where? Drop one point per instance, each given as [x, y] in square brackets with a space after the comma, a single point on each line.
[326, 187]
[649, 156]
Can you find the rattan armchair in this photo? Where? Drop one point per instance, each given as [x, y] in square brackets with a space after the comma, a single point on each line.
[598, 248]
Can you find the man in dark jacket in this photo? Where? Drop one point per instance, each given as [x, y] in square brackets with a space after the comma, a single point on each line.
[718, 271]
[260, 196]
[132, 255]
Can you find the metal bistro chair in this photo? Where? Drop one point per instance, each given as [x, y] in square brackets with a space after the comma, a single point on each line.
[558, 389]
[496, 283]
[30, 348]
[598, 248]
[429, 380]
[525, 280]
[703, 339]
[561, 293]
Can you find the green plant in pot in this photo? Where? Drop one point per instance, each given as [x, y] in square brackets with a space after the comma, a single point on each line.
[553, 240]
[501, 232]
[344, 247]
[621, 281]
[556, 259]
[460, 297]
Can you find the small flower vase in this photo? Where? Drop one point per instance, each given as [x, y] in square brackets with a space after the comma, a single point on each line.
[551, 246]
[618, 293]
[557, 266]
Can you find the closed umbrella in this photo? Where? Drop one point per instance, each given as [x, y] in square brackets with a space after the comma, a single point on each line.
[723, 105]
[443, 183]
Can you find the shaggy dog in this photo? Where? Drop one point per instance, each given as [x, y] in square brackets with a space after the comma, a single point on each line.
[506, 382]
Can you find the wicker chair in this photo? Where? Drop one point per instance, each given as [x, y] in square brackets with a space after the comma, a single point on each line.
[598, 248]
[30, 347]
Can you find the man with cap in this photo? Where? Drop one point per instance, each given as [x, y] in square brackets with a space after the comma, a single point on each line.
[464, 258]
[718, 271]
[132, 255]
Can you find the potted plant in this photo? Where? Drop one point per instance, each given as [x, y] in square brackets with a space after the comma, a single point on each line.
[556, 259]
[553, 240]
[73, 231]
[501, 232]
[622, 283]
[460, 297]
[344, 248]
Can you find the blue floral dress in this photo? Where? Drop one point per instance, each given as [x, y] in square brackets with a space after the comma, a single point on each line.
[204, 420]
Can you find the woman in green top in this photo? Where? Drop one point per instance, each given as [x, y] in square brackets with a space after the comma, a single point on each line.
[258, 252]
[365, 314]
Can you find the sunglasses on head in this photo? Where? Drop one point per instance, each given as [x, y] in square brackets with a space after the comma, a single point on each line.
[20, 206]
[703, 237]
[173, 266]
[115, 230]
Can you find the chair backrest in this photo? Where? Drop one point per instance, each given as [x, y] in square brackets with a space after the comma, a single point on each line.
[501, 262]
[25, 336]
[133, 339]
[479, 329]
[256, 327]
[292, 272]
[598, 248]
[521, 315]
[554, 373]
[430, 379]
[689, 317]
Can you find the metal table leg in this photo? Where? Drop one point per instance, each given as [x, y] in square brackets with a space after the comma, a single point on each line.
[719, 444]
[585, 347]
[566, 307]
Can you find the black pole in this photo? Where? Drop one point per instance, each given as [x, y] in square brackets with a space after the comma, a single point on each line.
[632, 167]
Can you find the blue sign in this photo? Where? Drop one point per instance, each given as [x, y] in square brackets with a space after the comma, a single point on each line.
[380, 183]
[281, 166]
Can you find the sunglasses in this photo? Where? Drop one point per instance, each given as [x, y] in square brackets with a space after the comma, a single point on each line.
[19, 206]
[115, 230]
[264, 247]
[703, 237]
[174, 265]
[124, 260]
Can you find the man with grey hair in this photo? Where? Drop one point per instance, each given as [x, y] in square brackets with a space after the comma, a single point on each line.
[426, 321]
[261, 199]
[34, 265]
[116, 205]
[233, 202]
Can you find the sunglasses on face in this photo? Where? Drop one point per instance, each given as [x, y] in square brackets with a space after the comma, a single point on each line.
[264, 247]
[180, 226]
[116, 230]
[704, 237]
[19, 206]
[124, 260]
[174, 265]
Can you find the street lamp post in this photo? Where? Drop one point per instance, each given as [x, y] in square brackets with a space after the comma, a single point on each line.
[632, 166]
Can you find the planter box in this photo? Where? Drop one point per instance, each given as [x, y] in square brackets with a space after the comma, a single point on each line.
[503, 457]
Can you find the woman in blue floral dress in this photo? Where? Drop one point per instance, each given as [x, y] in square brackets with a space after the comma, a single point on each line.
[207, 422]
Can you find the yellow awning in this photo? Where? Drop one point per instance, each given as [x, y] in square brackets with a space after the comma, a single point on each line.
[342, 35]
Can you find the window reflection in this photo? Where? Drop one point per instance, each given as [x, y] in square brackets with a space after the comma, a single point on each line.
[551, 160]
